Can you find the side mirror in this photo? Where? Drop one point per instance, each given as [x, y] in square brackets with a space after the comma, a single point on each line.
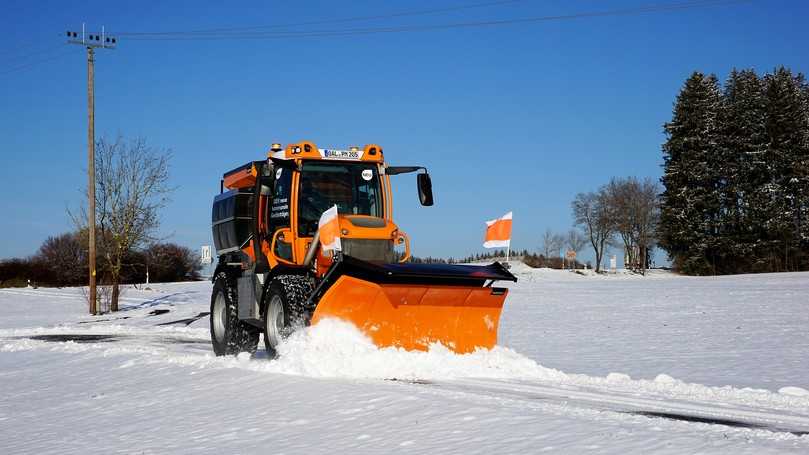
[425, 189]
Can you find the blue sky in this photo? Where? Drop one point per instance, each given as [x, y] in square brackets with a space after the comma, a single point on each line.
[517, 117]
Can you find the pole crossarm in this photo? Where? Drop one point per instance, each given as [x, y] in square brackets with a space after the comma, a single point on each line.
[94, 40]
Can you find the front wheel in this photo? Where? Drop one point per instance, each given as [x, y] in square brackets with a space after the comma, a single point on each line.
[229, 335]
[284, 310]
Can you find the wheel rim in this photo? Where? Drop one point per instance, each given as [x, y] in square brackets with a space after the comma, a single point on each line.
[274, 321]
[219, 315]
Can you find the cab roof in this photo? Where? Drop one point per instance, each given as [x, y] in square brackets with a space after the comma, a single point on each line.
[309, 151]
[245, 175]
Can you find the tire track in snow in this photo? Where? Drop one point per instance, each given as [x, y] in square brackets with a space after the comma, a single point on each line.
[161, 298]
[723, 414]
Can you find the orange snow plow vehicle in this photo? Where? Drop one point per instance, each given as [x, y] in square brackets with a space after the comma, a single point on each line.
[273, 277]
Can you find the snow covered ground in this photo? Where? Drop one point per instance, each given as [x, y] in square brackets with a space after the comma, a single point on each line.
[598, 364]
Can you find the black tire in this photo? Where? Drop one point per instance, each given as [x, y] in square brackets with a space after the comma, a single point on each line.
[229, 335]
[284, 309]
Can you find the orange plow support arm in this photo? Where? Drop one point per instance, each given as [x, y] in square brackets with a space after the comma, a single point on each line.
[413, 306]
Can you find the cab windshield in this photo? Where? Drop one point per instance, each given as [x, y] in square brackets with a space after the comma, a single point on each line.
[353, 187]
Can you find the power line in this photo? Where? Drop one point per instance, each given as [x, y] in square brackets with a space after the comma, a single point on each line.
[229, 34]
[325, 21]
[415, 28]
[24, 50]
[33, 63]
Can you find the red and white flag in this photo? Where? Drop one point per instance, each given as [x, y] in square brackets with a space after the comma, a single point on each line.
[329, 227]
[498, 232]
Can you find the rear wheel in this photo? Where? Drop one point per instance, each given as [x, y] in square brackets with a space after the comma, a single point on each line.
[285, 310]
[229, 335]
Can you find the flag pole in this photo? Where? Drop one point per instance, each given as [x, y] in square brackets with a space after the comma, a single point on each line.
[508, 247]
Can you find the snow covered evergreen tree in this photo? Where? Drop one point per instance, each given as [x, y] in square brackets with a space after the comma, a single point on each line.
[787, 129]
[745, 205]
[690, 206]
[736, 175]
[803, 171]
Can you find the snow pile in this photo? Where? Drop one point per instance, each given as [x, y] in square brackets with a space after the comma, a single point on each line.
[617, 377]
[794, 391]
[665, 385]
[334, 348]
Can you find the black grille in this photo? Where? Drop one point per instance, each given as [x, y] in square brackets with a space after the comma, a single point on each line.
[371, 250]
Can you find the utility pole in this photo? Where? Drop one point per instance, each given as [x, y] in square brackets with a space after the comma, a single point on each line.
[91, 42]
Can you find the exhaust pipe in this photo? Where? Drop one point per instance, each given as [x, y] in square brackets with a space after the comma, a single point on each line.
[310, 254]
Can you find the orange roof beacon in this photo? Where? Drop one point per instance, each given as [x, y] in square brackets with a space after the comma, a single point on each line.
[273, 275]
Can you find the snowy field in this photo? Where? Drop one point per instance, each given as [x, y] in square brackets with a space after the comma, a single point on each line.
[586, 364]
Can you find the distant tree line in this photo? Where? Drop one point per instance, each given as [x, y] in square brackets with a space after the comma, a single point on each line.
[477, 257]
[552, 262]
[623, 213]
[62, 261]
[736, 174]
[531, 259]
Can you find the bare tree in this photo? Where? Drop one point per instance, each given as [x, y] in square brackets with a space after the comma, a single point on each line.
[575, 241]
[647, 219]
[547, 243]
[171, 262]
[620, 199]
[558, 244]
[634, 209]
[591, 212]
[552, 244]
[131, 187]
[65, 258]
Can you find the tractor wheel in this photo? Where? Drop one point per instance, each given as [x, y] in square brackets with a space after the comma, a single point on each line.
[284, 309]
[229, 335]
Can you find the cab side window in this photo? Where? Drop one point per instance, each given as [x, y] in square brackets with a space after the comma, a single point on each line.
[279, 210]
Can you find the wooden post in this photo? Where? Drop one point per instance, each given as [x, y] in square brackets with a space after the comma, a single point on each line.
[91, 177]
[91, 42]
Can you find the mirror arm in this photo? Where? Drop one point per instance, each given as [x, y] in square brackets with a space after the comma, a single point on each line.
[396, 170]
